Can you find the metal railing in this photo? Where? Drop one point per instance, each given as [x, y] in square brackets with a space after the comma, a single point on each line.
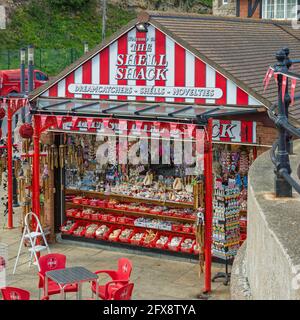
[278, 113]
[51, 61]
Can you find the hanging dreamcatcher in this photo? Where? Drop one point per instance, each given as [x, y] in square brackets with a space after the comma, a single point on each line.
[200, 238]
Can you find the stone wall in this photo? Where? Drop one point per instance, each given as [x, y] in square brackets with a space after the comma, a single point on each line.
[271, 258]
[220, 9]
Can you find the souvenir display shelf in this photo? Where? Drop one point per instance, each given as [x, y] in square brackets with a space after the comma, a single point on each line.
[186, 231]
[124, 198]
[226, 224]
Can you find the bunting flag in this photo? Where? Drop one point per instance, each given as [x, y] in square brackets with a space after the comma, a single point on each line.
[59, 121]
[284, 83]
[293, 87]
[74, 123]
[268, 77]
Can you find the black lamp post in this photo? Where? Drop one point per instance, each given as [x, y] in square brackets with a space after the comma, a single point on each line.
[282, 187]
[30, 67]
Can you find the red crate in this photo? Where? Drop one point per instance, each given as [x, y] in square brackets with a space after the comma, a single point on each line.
[187, 229]
[126, 240]
[91, 235]
[94, 216]
[150, 244]
[114, 228]
[102, 203]
[121, 219]
[137, 242]
[185, 249]
[79, 224]
[161, 246]
[85, 215]
[77, 200]
[71, 230]
[85, 201]
[94, 202]
[110, 205]
[105, 217]
[177, 248]
[105, 235]
[176, 227]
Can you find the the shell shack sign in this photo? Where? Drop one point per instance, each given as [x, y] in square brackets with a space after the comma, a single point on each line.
[140, 64]
[148, 66]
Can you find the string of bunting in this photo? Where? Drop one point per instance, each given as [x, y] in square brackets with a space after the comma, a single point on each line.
[91, 124]
[271, 72]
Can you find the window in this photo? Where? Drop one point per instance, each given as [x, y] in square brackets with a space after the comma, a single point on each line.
[279, 9]
[225, 1]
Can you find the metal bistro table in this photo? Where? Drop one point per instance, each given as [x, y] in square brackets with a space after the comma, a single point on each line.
[71, 275]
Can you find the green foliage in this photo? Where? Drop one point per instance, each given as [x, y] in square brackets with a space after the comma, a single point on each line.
[71, 4]
[60, 34]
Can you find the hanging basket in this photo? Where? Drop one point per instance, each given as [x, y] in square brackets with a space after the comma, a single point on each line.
[26, 131]
[2, 113]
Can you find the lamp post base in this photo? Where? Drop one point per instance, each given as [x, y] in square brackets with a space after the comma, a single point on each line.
[282, 188]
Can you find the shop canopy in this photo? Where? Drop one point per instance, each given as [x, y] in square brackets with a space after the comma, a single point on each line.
[136, 110]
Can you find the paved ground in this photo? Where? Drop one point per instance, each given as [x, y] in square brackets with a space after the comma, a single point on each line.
[154, 277]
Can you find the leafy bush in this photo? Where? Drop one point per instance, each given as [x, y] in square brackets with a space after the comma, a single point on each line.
[71, 4]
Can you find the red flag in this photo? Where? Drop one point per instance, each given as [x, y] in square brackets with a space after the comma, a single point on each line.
[74, 123]
[293, 87]
[59, 120]
[284, 82]
[276, 77]
[268, 78]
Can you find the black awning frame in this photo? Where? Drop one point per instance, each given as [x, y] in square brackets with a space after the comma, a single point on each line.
[81, 111]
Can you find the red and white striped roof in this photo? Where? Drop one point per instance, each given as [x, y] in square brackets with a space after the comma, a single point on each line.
[184, 69]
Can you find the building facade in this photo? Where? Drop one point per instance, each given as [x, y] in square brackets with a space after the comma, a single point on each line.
[257, 9]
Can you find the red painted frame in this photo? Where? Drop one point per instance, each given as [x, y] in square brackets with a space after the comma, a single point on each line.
[53, 121]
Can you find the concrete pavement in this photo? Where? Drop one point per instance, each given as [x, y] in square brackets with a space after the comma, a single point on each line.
[154, 277]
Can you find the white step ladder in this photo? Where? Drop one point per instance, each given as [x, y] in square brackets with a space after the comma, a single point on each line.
[32, 236]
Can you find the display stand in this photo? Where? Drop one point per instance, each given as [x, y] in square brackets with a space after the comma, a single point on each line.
[226, 226]
[226, 275]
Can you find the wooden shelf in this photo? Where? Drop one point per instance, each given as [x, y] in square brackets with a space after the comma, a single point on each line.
[133, 213]
[124, 198]
[189, 234]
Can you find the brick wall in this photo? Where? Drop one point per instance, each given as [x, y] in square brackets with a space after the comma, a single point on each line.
[220, 9]
[244, 9]
[265, 135]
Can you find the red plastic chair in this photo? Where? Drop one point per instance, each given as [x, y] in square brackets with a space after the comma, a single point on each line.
[11, 293]
[123, 293]
[119, 278]
[49, 262]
